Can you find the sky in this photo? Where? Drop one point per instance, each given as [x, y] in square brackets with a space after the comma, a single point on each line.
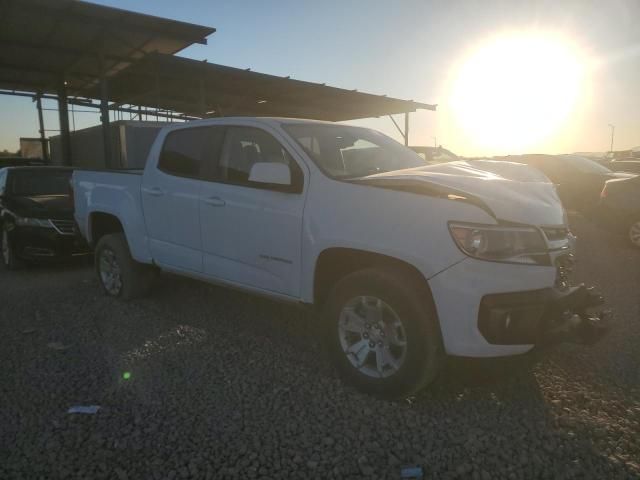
[508, 76]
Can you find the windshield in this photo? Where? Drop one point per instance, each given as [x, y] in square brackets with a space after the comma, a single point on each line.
[350, 152]
[39, 182]
[586, 165]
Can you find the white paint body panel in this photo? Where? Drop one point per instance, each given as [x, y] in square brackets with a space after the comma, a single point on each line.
[457, 293]
[268, 242]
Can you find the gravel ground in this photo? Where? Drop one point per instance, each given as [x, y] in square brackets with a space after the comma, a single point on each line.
[224, 385]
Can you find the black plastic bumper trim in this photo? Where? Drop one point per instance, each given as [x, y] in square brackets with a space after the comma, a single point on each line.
[541, 316]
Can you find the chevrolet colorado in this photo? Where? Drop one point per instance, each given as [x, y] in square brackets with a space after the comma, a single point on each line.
[406, 262]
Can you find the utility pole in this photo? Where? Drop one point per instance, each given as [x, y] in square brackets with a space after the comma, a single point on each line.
[435, 141]
[613, 129]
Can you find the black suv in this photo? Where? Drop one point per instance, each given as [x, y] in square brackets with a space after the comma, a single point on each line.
[36, 215]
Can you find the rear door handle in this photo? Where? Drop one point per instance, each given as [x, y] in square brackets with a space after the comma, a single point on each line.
[215, 201]
[155, 191]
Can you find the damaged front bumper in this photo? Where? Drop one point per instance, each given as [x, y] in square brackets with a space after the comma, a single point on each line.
[543, 316]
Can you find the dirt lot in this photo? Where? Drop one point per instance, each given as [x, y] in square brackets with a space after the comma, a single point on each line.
[224, 385]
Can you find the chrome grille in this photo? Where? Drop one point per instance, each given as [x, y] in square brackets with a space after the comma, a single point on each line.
[65, 227]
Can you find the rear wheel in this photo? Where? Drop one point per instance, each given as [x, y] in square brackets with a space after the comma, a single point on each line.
[119, 274]
[383, 333]
[9, 258]
[634, 233]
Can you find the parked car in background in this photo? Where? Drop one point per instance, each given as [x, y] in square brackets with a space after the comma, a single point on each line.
[405, 263]
[579, 180]
[434, 155]
[36, 215]
[619, 208]
[627, 166]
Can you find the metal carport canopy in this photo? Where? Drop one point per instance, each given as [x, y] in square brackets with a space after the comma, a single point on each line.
[202, 89]
[45, 42]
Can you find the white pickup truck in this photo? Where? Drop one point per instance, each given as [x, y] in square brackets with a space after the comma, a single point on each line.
[406, 262]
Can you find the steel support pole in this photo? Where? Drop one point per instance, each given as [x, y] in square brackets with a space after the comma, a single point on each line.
[43, 138]
[104, 115]
[63, 116]
[203, 103]
[406, 129]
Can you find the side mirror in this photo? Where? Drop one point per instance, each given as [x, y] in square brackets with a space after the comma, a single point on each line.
[270, 172]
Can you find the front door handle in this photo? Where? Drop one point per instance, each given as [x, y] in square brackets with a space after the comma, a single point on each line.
[155, 191]
[215, 201]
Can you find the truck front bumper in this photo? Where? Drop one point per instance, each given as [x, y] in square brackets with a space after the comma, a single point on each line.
[542, 316]
[489, 309]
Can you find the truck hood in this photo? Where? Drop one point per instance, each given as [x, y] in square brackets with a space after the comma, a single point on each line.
[512, 193]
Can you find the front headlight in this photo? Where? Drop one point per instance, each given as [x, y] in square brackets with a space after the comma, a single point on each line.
[501, 244]
[33, 222]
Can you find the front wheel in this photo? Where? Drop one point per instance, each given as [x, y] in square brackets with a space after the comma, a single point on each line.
[634, 233]
[9, 257]
[383, 333]
[119, 274]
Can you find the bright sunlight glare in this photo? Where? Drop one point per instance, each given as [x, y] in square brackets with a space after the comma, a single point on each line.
[516, 91]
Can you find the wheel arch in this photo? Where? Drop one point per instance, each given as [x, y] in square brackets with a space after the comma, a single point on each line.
[101, 224]
[335, 263]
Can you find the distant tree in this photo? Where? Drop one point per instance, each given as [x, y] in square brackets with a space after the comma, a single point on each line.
[7, 153]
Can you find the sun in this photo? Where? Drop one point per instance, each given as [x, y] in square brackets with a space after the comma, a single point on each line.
[516, 91]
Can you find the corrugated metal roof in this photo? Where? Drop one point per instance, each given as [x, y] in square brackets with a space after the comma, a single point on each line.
[204, 89]
[45, 42]
[42, 41]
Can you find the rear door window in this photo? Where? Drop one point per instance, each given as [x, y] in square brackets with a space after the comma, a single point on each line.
[192, 152]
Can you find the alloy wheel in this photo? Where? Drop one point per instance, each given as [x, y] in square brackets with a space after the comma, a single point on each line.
[110, 274]
[634, 233]
[372, 336]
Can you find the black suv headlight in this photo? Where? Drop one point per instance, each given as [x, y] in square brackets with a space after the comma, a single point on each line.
[524, 245]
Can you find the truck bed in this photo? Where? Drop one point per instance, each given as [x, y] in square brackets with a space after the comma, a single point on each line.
[110, 192]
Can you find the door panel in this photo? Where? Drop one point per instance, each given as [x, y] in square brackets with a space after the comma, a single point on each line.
[252, 235]
[254, 239]
[172, 219]
[171, 195]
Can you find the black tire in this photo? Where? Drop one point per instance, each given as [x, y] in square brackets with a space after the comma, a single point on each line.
[136, 279]
[9, 258]
[632, 232]
[409, 298]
